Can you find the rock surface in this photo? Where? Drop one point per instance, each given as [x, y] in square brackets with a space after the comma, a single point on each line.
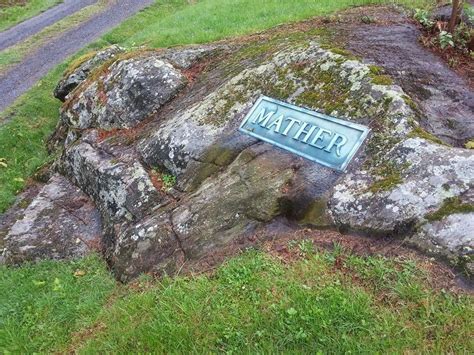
[428, 175]
[79, 74]
[129, 136]
[447, 109]
[61, 222]
[126, 93]
[450, 236]
[120, 187]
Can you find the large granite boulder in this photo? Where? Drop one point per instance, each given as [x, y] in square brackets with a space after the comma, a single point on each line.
[116, 181]
[78, 73]
[229, 185]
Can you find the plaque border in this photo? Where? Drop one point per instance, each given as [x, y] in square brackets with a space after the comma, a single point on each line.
[365, 131]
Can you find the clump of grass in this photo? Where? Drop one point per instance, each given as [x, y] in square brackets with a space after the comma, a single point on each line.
[162, 180]
[168, 181]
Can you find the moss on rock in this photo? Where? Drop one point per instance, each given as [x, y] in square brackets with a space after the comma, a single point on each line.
[421, 133]
[450, 206]
[316, 214]
[382, 80]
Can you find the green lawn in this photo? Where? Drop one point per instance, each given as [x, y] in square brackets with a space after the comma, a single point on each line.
[327, 302]
[14, 12]
[168, 22]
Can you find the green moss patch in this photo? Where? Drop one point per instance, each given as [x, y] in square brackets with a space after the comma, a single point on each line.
[316, 214]
[391, 176]
[76, 63]
[469, 144]
[382, 80]
[387, 182]
[450, 206]
[421, 133]
[213, 160]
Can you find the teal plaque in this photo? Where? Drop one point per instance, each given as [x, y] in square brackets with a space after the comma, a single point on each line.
[326, 140]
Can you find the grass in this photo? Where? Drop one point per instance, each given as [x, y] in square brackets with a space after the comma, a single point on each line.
[28, 122]
[22, 139]
[328, 302]
[42, 305]
[14, 12]
[19, 51]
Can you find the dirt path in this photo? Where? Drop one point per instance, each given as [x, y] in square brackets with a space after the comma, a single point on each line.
[444, 98]
[33, 25]
[21, 77]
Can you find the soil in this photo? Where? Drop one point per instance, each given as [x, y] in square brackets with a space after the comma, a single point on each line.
[277, 237]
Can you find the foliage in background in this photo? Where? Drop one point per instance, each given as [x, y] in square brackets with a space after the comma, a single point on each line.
[445, 39]
[14, 12]
[439, 34]
[332, 302]
[423, 17]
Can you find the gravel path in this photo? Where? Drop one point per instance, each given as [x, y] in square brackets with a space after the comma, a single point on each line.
[21, 77]
[33, 25]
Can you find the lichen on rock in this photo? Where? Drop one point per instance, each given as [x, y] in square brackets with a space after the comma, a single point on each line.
[80, 69]
[127, 92]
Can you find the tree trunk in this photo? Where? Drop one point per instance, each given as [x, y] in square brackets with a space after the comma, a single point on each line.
[457, 6]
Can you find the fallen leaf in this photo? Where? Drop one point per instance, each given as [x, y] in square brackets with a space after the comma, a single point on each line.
[79, 273]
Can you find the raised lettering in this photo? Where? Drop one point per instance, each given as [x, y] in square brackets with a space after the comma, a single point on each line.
[307, 133]
[335, 142]
[290, 125]
[262, 118]
[319, 136]
[277, 123]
